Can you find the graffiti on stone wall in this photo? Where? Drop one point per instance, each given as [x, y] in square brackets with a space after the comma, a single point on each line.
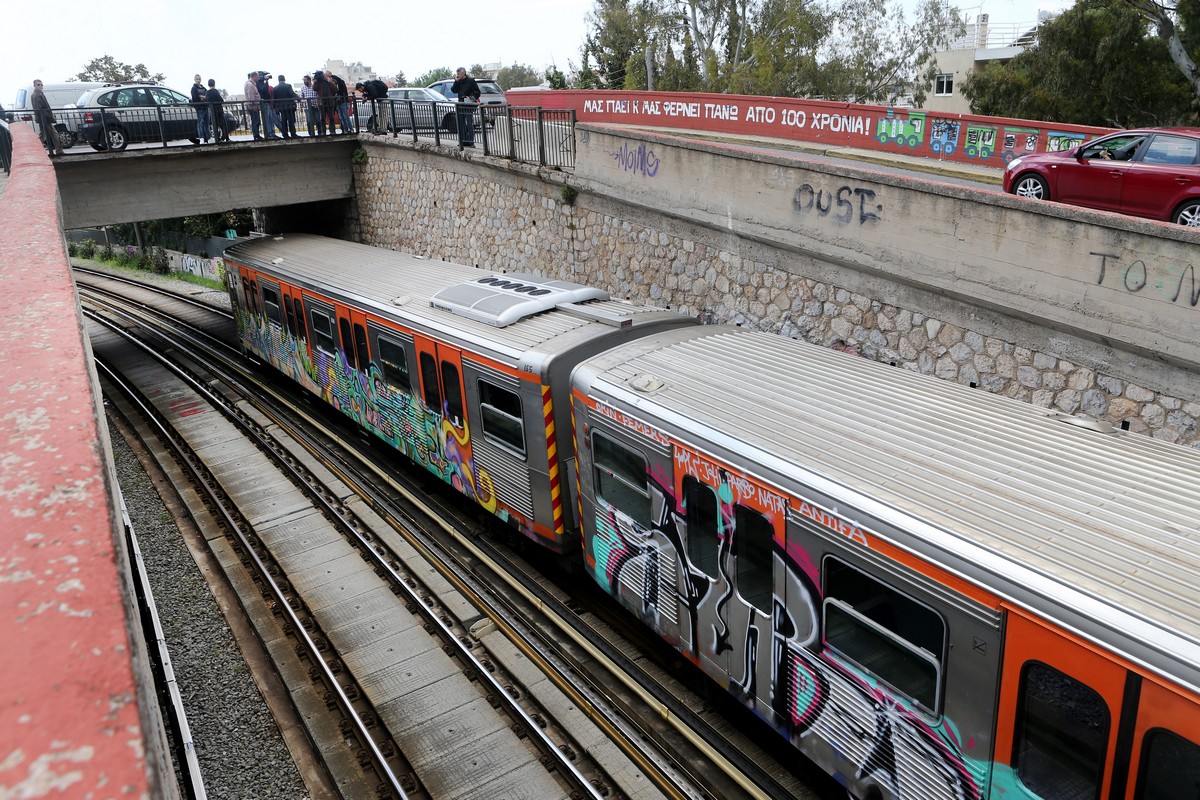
[639, 160]
[1175, 283]
[202, 267]
[843, 205]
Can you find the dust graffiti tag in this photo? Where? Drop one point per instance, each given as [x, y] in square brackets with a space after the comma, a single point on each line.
[808, 199]
[640, 160]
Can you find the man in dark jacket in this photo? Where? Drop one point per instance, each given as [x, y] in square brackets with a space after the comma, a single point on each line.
[203, 125]
[342, 98]
[216, 107]
[468, 95]
[270, 118]
[285, 104]
[327, 101]
[44, 116]
[374, 91]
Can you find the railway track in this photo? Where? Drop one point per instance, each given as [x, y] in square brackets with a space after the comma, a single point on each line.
[454, 666]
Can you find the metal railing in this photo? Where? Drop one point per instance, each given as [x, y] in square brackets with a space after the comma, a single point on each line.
[525, 133]
[528, 134]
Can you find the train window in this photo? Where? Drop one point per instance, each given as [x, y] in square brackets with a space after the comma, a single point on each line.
[429, 384]
[452, 387]
[254, 297]
[288, 316]
[753, 535]
[301, 332]
[703, 525]
[246, 293]
[347, 342]
[395, 363]
[621, 478]
[360, 345]
[322, 329]
[1062, 730]
[1170, 767]
[271, 304]
[887, 633]
[500, 411]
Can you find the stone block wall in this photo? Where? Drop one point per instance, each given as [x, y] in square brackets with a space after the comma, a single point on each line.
[511, 218]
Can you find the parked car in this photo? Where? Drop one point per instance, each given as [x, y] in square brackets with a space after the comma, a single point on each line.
[117, 115]
[1152, 173]
[491, 100]
[429, 109]
[62, 98]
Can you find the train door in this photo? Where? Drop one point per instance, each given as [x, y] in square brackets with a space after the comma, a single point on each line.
[1165, 764]
[1059, 716]
[733, 524]
[439, 367]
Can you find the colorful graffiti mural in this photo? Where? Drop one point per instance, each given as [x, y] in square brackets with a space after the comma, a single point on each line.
[812, 696]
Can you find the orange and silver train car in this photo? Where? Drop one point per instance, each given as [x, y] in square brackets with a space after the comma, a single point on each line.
[934, 592]
[464, 371]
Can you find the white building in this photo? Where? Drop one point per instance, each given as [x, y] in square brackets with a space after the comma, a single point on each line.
[981, 43]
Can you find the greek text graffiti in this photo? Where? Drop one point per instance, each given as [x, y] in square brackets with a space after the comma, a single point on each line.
[639, 160]
[1172, 282]
[840, 203]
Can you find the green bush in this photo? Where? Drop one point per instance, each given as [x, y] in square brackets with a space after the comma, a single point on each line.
[72, 249]
[159, 262]
[106, 252]
[87, 249]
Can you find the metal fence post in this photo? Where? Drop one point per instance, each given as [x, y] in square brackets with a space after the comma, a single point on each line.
[541, 132]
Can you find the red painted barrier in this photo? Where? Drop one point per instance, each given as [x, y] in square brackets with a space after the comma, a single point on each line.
[990, 141]
[69, 719]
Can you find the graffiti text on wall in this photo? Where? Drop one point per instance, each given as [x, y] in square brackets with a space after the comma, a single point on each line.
[1173, 282]
[782, 116]
[640, 160]
[839, 203]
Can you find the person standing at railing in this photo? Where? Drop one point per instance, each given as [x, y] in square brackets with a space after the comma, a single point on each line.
[270, 118]
[328, 102]
[312, 109]
[203, 125]
[252, 102]
[216, 109]
[373, 91]
[468, 95]
[342, 96]
[285, 105]
[44, 116]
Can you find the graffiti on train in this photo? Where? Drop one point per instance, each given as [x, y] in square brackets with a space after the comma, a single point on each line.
[1173, 282]
[773, 660]
[843, 205]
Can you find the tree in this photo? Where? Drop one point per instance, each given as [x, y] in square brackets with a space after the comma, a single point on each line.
[109, 70]
[438, 74]
[612, 40]
[1095, 64]
[400, 79]
[555, 78]
[1163, 16]
[518, 75]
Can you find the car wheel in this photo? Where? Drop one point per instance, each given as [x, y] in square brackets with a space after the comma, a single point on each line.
[1031, 185]
[67, 138]
[450, 123]
[116, 139]
[1188, 214]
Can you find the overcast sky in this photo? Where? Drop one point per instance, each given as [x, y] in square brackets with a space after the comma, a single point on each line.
[55, 40]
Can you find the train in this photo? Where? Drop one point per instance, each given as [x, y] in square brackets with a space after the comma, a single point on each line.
[929, 590]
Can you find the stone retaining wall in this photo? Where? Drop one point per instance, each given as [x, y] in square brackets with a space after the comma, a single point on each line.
[512, 218]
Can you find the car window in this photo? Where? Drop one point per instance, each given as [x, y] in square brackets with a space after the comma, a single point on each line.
[1173, 150]
[166, 97]
[486, 87]
[127, 98]
[1120, 148]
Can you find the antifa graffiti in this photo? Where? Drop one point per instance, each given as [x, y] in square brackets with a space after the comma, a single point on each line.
[843, 204]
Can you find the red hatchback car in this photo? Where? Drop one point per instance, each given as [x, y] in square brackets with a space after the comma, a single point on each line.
[1153, 173]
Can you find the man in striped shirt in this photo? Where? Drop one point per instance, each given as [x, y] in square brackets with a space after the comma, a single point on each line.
[312, 109]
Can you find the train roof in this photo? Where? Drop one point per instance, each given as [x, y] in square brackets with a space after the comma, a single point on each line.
[525, 319]
[1093, 526]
